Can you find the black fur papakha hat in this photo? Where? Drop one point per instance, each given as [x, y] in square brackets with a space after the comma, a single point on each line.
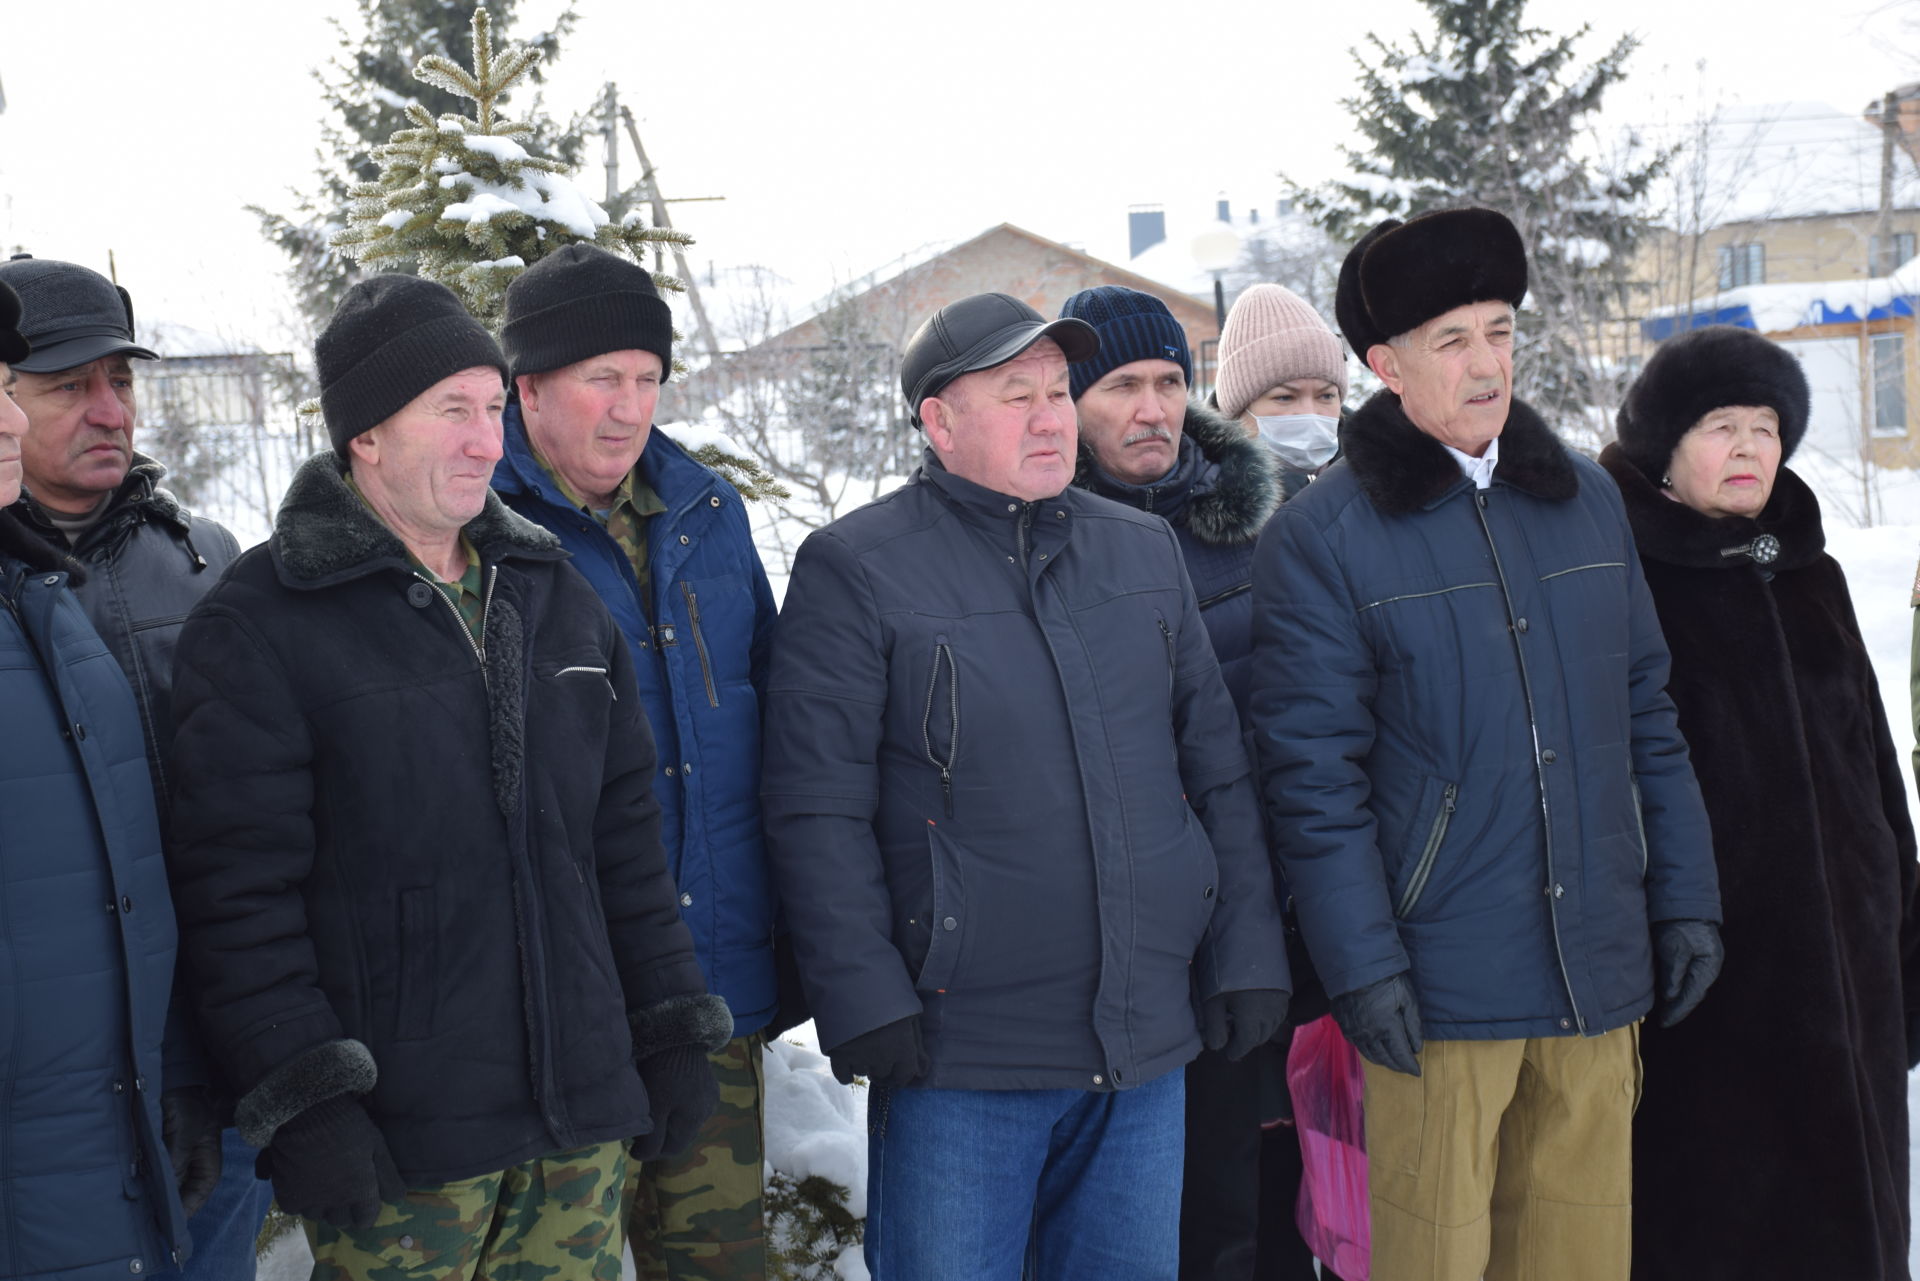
[1402, 274]
[1694, 373]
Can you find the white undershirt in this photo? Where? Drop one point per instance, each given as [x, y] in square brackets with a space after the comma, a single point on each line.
[1479, 470]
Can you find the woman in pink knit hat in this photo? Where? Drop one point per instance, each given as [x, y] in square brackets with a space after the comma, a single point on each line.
[1283, 375]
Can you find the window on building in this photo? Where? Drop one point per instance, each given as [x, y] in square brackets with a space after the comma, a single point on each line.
[1742, 265]
[1884, 256]
[1889, 384]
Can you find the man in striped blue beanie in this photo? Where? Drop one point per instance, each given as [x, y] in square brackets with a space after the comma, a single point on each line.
[1145, 443]
[1132, 326]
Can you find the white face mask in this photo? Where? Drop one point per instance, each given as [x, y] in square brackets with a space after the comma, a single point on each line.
[1304, 442]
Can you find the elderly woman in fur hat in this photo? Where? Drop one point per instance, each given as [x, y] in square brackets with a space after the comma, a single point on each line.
[1771, 1139]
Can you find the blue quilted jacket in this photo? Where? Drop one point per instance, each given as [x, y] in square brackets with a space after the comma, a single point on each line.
[86, 1190]
[702, 667]
[1471, 767]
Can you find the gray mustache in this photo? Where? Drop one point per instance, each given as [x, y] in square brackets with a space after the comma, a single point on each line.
[1150, 433]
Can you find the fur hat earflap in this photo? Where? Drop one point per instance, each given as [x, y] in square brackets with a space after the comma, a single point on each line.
[1693, 373]
[1402, 274]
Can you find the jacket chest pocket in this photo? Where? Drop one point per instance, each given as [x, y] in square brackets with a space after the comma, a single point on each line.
[940, 722]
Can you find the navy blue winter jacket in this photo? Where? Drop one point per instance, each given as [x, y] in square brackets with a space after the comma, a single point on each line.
[86, 1189]
[1005, 786]
[702, 669]
[1471, 766]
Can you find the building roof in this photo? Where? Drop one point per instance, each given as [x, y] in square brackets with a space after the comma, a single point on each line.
[1790, 160]
[926, 256]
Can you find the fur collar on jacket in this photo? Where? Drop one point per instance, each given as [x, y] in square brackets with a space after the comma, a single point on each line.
[1404, 470]
[324, 533]
[20, 541]
[1231, 493]
[1675, 534]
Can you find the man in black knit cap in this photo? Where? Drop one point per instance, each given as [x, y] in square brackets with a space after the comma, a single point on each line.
[664, 540]
[418, 869]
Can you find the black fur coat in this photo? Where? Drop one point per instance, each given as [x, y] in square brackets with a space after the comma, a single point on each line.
[1771, 1139]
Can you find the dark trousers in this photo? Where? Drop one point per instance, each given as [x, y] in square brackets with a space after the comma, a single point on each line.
[1242, 1181]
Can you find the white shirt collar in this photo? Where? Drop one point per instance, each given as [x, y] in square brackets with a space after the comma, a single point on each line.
[1478, 470]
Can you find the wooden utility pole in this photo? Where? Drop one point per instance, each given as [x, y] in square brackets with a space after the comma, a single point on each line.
[610, 135]
[1885, 258]
[662, 220]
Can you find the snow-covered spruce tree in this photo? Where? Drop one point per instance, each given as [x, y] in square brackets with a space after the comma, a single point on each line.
[1487, 110]
[463, 200]
[366, 86]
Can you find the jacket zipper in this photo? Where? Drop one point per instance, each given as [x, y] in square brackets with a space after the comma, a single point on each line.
[1639, 821]
[486, 603]
[700, 643]
[1166, 634]
[1424, 868]
[1020, 529]
[1228, 594]
[943, 652]
[1539, 770]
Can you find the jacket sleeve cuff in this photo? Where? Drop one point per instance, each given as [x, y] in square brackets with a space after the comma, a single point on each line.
[326, 1071]
[704, 1021]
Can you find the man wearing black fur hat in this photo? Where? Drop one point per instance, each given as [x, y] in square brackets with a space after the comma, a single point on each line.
[418, 866]
[1474, 778]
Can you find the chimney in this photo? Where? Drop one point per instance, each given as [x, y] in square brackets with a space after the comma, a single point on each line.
[1146, 227]
[1222, 210]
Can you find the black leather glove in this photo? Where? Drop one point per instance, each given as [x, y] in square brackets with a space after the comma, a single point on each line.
[1383, 1022]
[191, 1128]
[891, 1054]
[790, 1007]
[1687, 956]
[331, 1163]
[682, 1093]
[1236, 1023]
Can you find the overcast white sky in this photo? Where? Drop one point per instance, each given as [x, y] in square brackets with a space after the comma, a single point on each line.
[842, 134]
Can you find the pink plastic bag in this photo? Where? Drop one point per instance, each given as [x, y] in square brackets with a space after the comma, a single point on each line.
[1323, 1073]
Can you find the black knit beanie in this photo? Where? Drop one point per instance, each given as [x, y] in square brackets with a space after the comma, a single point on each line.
[1132, 326]
[579, 302]
[390, 339]
[1696, 372]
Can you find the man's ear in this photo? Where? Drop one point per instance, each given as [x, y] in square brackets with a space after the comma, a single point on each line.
[529, 385]
[1384, 360]
[365, 447]
[936, 418]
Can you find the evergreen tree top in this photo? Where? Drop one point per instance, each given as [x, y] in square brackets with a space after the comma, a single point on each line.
[1485, 109]
[462, 198]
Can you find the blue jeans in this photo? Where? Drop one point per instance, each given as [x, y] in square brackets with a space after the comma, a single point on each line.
[226, 1226]
[1053, 1185]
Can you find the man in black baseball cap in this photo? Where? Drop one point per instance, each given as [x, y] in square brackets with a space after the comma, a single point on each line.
[979, 332]
[1013, 828]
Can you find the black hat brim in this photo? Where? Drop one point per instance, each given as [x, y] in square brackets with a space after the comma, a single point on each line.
[75, 352]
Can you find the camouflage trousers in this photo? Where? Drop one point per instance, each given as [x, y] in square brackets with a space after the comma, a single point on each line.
[554, 1219]
[697, 1217]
